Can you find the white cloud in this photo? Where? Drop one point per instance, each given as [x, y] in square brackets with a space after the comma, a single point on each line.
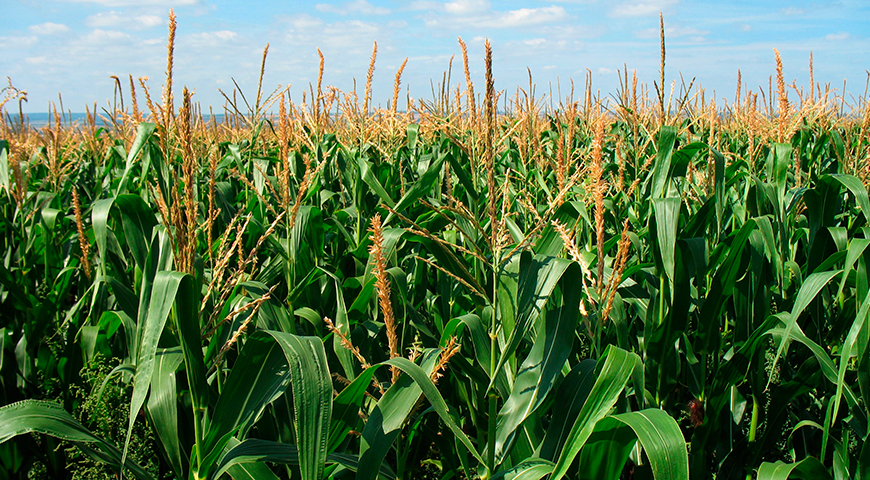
[351, 37]
[304, 21]
[464, 13]
[36, 60]
[17, 42]
[675, 31]
[746, 27]
[48, 28]
[104, 36]
[791, 11]
[418, 5]
[354, 6]
[115, 19]
[534, 42]
[466, 7]
[643, 8]
[837, 36]
[531, 16]
[207, 39]
[139, 3]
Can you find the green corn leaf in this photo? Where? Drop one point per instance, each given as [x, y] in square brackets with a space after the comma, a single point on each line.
[722, 288]
[848, 349]
[346, 407]
[667, 216]
[856, 248]
[390, 414]
[345, 357]
[807, 469]
[570, 396]
[661, 438]
[606, 451]
[142, 136]
[253, 451]
[528, 469]
[811, 287]
[662, 167]
[826, 365]
[250, 467]
[424, 184]
[100, 222]
[187, 304]
[258, 378]
[368, 176]
[421, 378]
[4, 165]
[47, 418]
[863, 472]
[460, 166]
[719, 191]
[615, 373]
[163, 407]
[138, 221]
[412, 132]
[543, 364]
[312, 399]
[538, 278]
[268, 362]
[858, 191]
[162, 297]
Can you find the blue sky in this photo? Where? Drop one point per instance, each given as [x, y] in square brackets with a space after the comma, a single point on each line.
[73, 46]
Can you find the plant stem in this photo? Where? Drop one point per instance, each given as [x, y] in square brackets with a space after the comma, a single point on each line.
[753, 425]
[661, 322]
[490, 454]
[753, 428]
[493, 354]
[197, 434]
[661, 299]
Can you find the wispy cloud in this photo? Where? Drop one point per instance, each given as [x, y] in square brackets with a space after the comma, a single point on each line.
[674, 31]
[210, 43]
[531, 16]
[139, 3]
[467, 7]
[642, 8]
[791, 11]
[14, 43]
[464, 13]
[48, 28]
[355, 6]
[304, 21]
[349, 37]
[100, 36]
[221, 35]
[837, 36]
[113, 19]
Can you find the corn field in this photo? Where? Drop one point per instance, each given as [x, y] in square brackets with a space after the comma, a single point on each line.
[481, 285]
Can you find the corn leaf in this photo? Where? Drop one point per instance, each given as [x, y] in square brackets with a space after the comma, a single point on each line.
[47, 418]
